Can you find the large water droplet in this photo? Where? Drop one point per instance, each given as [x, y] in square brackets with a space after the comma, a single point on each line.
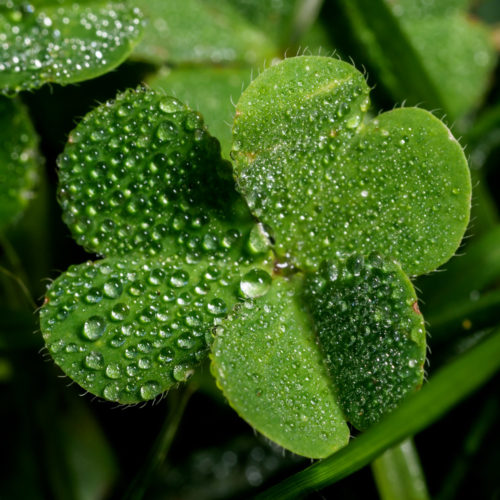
[112, 392]
[255, 283]
[114, 370]
[94, 328]
[113, 288]
[149, 390]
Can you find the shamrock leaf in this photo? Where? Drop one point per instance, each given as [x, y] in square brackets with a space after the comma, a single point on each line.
[63, 42]
[326, 182]
[267, 362]
[371, 331]
[143, 183]
[18, 160]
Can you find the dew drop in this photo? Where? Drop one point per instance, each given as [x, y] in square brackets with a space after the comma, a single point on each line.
[112, 392]
[149, 390]
[94, 361]
[119, 312]
[114, 371]
[93, 296]
[217, 307]
[255, 283]
[113, 288]
[94, 328]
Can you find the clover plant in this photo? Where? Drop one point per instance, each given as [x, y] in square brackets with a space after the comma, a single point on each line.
[340, 211]
[251, 223]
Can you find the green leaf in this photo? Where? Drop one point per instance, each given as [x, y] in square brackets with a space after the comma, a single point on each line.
[140, 184]
[324, 181]
[211, 90]
[371, 332]
[425, 52]
[450, 385]
[284, 21]
[267, 363]
[140, 171]
[63, 42]
[197, 31]
[18, 160]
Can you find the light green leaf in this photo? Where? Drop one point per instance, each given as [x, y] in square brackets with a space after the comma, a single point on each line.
[142, 182]
[63, 42]
[18, 160]
[197, 31]
[371, 332]
[426, 53]
[210, 90]
[325, 181]
[267, 363]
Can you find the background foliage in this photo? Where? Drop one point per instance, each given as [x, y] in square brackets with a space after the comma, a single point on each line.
[440, 55]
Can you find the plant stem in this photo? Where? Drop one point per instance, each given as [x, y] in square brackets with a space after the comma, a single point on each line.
[178, 400]
[450, 385]
[399, 475]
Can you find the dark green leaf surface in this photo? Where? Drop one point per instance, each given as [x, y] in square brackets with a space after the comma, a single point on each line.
[197, 31]
[63, 42]
[325, 181]
[210, 90]
[140, 184]
[450, 385]
[18, 160]
[268, 364]
[371, 332]
[139, 172]
[425, 52]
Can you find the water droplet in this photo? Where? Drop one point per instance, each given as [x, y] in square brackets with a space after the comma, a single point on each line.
[170, 105]
[166, 131]
[119, 312]
[94, 328]
[255, 283]
[114, 371]
[179, 279]
[112, 392]
[217, 307]
[93, 296]
[113, 288]
[258, 240]
[94, 360]
[182, 373]
[149, 390]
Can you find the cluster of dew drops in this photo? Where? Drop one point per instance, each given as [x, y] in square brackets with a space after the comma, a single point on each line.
[38, 45]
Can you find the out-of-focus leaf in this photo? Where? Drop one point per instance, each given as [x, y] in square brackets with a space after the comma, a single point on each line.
[425, 52]
[63, 42]
[196, 31]
[18, 160]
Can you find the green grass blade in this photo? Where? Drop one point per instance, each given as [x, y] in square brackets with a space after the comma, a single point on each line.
[450, 385]
[399, 475]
